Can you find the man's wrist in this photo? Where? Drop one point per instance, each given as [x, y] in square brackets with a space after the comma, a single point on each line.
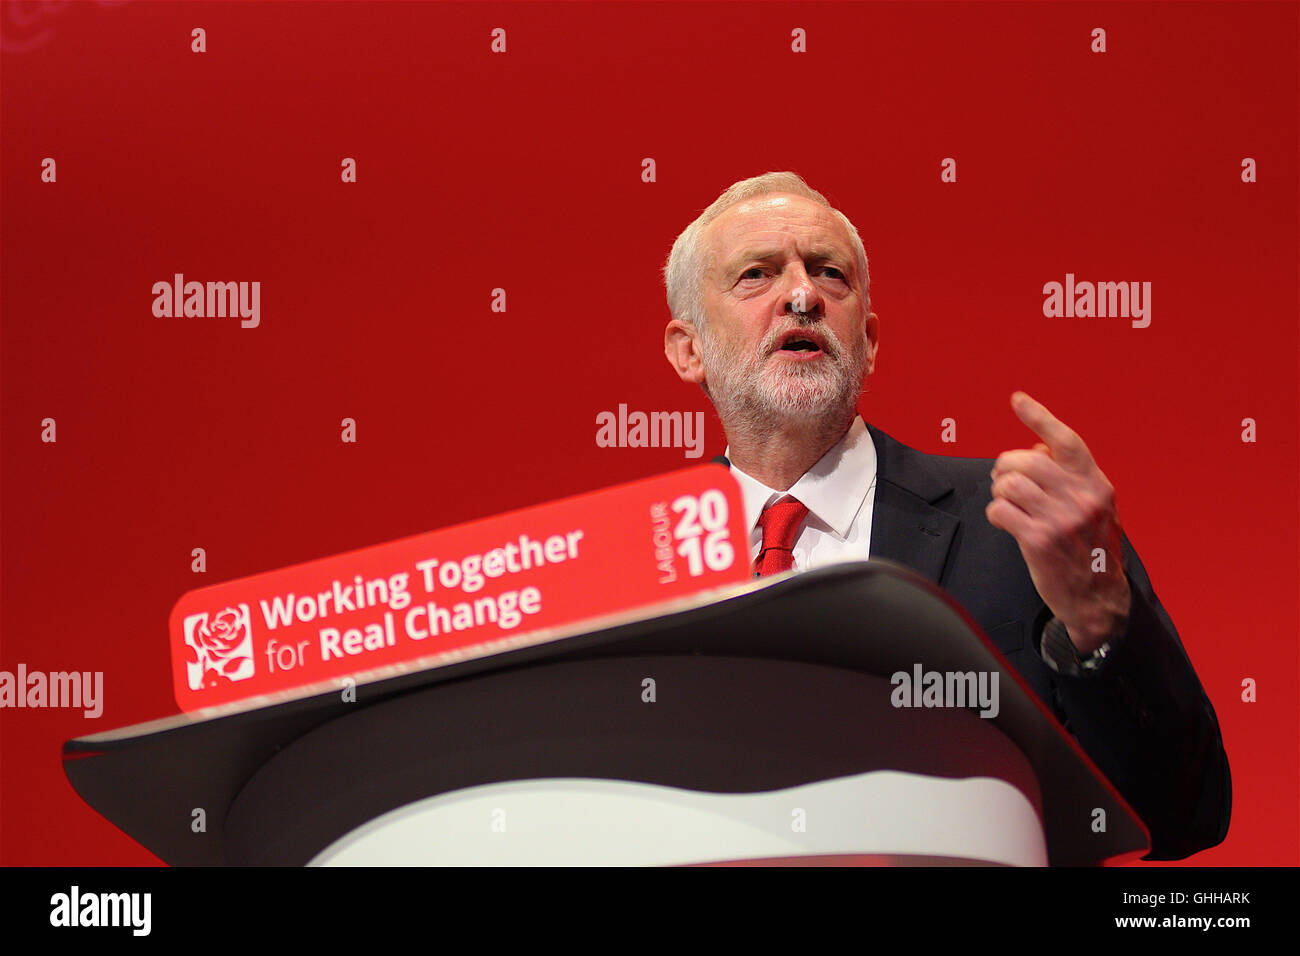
[1105, 622]
[1063, 654]
[1087, 641]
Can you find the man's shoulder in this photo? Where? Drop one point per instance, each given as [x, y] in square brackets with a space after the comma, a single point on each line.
[928, 474]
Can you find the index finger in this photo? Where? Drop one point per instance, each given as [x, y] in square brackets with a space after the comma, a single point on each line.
[1063, 442]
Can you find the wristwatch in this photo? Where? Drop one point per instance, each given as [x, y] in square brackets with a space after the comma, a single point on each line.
[1061, 655]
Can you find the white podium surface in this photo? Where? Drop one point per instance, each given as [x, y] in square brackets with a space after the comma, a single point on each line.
[574, 822]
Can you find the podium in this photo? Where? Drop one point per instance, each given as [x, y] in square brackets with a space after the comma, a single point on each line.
[766, 722]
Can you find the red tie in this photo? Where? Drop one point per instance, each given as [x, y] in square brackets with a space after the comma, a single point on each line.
[780, 523]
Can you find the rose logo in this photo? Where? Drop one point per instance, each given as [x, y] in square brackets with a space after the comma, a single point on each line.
[219, 649]
[223, 633]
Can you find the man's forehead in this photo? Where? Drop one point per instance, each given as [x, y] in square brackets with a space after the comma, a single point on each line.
[760, 223]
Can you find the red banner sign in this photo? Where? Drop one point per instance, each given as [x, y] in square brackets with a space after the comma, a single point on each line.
[467, 591]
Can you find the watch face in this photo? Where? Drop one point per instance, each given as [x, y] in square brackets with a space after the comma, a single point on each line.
[1092, 661]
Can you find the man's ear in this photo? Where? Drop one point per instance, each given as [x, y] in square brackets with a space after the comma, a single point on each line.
[682, 348]
[872, 329]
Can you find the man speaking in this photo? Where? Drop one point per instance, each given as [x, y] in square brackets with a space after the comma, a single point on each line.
[771, 314]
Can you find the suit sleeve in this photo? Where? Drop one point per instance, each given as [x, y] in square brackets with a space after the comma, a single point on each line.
[1146, 721]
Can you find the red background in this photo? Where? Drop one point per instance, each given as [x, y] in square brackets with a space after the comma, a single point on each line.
[522, 171]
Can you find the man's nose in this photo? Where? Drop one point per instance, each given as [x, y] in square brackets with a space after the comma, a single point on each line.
[800, 295]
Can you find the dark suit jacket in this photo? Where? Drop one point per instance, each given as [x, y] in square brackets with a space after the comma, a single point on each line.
[1143, 717]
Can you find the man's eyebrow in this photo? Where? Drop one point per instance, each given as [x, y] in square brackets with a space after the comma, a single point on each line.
[816, 254]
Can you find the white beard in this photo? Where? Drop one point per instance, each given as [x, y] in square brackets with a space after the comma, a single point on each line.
[750, 392]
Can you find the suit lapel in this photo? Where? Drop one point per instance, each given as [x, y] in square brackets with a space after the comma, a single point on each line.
[906, 527]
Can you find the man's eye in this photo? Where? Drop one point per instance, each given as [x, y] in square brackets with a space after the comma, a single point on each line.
[834, 273]
[752, 273]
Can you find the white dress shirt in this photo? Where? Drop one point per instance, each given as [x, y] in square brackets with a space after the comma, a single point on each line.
[839, 491]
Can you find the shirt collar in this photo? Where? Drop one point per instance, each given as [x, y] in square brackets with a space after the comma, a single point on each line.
[833, 489]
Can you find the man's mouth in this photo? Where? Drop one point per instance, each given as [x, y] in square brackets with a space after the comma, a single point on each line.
[802, 344]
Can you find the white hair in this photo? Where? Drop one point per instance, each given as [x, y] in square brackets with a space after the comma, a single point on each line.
[687, 262]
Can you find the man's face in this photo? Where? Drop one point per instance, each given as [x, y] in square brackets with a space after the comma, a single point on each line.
[785, 335]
